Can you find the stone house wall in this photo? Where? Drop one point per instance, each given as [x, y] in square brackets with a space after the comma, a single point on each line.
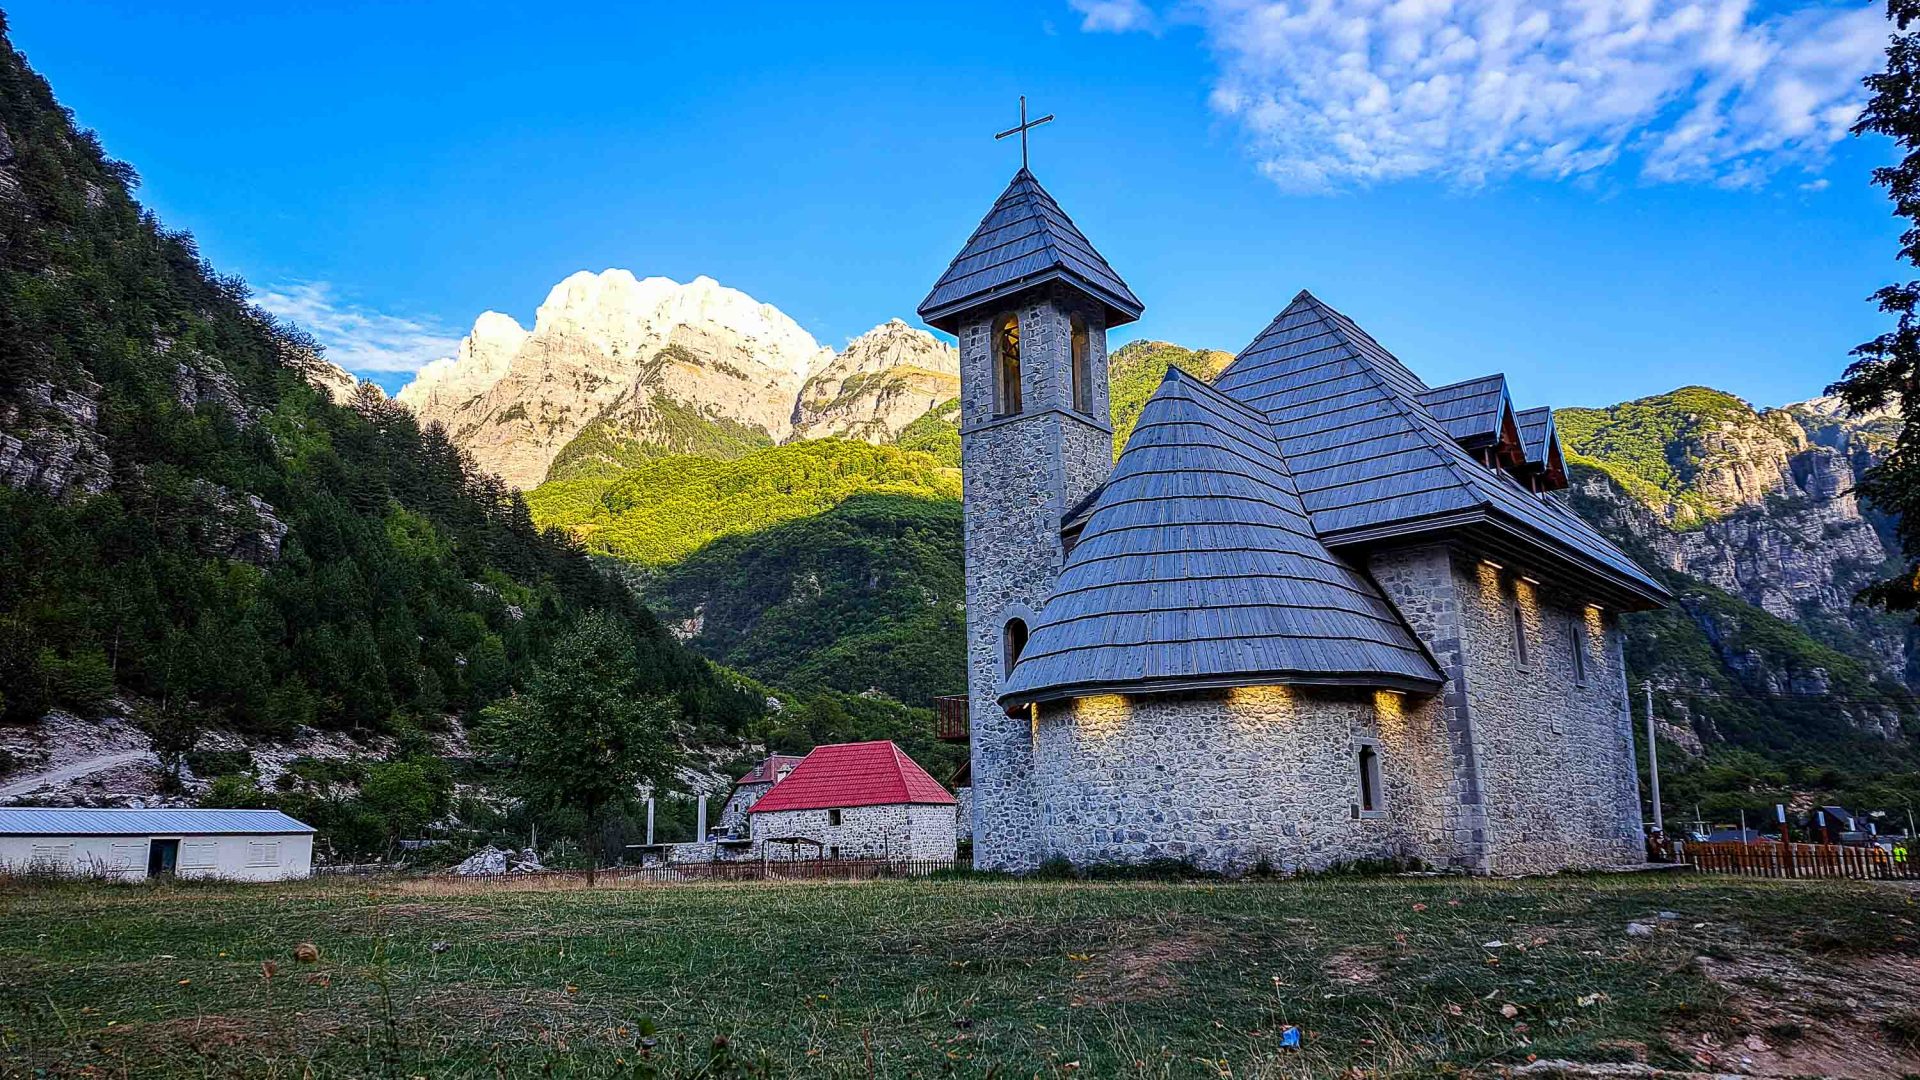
[733, 816]
[894, 831]
[1020, 475]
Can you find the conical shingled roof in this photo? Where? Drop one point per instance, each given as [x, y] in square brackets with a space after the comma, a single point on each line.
[1198, 568]
[1372, 463]
[1025, 240]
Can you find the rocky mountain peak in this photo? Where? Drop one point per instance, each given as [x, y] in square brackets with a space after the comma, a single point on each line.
[882, 381]
[644, 365]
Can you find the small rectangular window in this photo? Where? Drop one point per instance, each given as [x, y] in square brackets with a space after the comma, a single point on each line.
[1371, 801]
[263, 854]
[1520, 657]
[1577, 641]
[833, 817]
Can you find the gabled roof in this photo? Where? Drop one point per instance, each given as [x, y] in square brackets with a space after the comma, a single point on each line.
[1025, 240]
[1372, 463]
[1542, 442]
[1475, 412]
[853, 774]
[1199, 568]
[46, 821]
[769, 768]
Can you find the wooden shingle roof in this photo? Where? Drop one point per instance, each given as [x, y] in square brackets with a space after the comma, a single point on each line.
[1025, 240]
[1372, 463]
[1473, 411]
[1198, 567]
[1542, 443]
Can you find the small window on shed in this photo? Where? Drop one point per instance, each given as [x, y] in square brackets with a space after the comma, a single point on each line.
[833, 817]
[1577, 642]
[1521, 657]
[1369, 779]
[1006, 365]
[1082, 363]
[263, 854]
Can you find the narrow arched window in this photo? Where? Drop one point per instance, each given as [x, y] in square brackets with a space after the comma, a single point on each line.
[1521, 658]
[1082, 364]
[1369, 779]
[1014, 640]
[1006, 365]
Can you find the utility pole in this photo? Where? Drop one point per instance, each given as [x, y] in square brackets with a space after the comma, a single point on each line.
[1653, 764]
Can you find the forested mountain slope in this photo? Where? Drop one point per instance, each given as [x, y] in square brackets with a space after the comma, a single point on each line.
[189, 520]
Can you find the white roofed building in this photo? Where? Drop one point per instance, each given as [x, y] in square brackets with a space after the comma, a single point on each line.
[132, 845]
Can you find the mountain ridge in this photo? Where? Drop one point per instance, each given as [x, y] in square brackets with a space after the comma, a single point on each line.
[645, 364]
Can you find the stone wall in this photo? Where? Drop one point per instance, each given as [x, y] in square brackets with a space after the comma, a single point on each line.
[896, 831]
[1229, 779]
[733, 816]
[963, 813]
[1420, 583]
[1556, 751]
[1020, 476]
[1541, 773]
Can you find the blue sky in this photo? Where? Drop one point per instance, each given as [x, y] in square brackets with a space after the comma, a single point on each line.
[1602, 206]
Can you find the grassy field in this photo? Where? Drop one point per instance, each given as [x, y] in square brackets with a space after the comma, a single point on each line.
[1387, 976]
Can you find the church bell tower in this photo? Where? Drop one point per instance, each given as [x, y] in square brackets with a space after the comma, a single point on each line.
[1031, 302]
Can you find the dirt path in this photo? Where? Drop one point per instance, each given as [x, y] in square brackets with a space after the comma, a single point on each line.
[74, 771]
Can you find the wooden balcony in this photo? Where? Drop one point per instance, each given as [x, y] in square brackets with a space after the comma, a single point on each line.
[950, 718]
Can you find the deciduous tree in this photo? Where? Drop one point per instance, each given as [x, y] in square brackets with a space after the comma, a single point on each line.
[584, 735]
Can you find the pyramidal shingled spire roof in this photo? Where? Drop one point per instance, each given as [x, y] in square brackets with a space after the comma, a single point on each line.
[1025, 240]
[1198, 567]
[1372, 463]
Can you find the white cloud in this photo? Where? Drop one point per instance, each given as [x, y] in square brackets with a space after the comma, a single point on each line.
[1344, 93]
[1114, 16]
[358, 338]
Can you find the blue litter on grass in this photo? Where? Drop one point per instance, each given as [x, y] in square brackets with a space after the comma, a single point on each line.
[1290, 1037]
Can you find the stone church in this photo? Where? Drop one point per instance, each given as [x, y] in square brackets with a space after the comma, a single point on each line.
[1316, 612]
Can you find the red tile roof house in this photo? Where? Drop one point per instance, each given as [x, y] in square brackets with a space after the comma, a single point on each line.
[757, 782]
[865, 800]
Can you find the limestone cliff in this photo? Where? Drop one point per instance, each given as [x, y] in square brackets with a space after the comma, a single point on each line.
[1759, 503]
[883, 381]
[626, 349]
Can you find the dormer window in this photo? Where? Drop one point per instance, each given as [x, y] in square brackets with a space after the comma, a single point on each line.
[1082, 348]
[1006, 365]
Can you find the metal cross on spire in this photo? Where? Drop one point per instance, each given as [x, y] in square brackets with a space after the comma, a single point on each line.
[1023, 129]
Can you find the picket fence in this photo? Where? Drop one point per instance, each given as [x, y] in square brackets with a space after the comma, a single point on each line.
[1802, 860]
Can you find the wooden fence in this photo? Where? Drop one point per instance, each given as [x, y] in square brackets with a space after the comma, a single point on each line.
[1803, 860]
[686, 873]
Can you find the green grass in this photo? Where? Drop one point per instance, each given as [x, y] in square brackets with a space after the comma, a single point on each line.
[971, 977]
